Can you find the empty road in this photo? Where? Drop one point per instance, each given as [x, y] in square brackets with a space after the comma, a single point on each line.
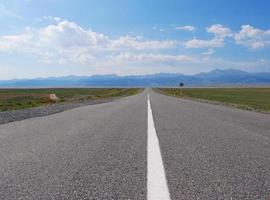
[138, 148]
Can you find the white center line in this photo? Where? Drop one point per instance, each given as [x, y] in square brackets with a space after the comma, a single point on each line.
[157, 188]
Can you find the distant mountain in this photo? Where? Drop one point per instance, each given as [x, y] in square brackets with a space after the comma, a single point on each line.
[213, 78]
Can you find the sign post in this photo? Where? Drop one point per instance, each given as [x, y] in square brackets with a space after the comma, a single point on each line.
[181, 88]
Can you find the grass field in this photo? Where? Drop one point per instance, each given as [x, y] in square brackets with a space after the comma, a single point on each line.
[14, 99]
[246, 98]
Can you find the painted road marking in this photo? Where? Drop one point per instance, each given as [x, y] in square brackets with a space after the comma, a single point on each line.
[157, 188]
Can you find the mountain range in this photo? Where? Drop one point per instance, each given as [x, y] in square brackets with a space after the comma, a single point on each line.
[217, 77]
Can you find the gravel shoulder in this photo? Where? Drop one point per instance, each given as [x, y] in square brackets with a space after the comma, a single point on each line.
[17, 115]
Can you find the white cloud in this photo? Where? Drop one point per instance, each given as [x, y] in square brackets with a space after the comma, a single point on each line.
[220, 33]
[15, 42]
[66, 41]
[248, 36]
[197, 43]
[57, 19]
[253, 38]
[68, 35]
[153, 57]
[140, 44]
[186, 28]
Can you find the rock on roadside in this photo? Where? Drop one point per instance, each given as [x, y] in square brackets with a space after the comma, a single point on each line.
[53, 98]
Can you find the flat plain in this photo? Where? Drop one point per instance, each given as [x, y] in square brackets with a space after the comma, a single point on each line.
[15, 99]
[246, 98]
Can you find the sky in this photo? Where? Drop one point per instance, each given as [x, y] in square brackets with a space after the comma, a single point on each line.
[126, 37]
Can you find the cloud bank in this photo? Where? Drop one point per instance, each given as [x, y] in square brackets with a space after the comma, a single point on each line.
[65, 42]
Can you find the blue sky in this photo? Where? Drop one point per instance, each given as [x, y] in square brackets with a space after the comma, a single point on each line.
[63, 37]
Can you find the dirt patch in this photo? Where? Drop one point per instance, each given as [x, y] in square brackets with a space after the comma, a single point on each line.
[47, 97]
[12, 96]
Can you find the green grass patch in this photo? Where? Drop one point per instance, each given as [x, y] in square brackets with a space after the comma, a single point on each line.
[246, 98]
[14, 99]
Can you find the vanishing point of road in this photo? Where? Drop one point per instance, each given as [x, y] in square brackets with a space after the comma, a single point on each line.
[139, 147]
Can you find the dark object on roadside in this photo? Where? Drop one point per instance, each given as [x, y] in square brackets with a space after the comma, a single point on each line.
[181, 84]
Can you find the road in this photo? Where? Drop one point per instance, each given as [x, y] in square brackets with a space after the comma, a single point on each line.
[114, 150]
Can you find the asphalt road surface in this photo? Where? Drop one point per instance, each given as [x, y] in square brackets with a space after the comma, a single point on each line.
[101, 152]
